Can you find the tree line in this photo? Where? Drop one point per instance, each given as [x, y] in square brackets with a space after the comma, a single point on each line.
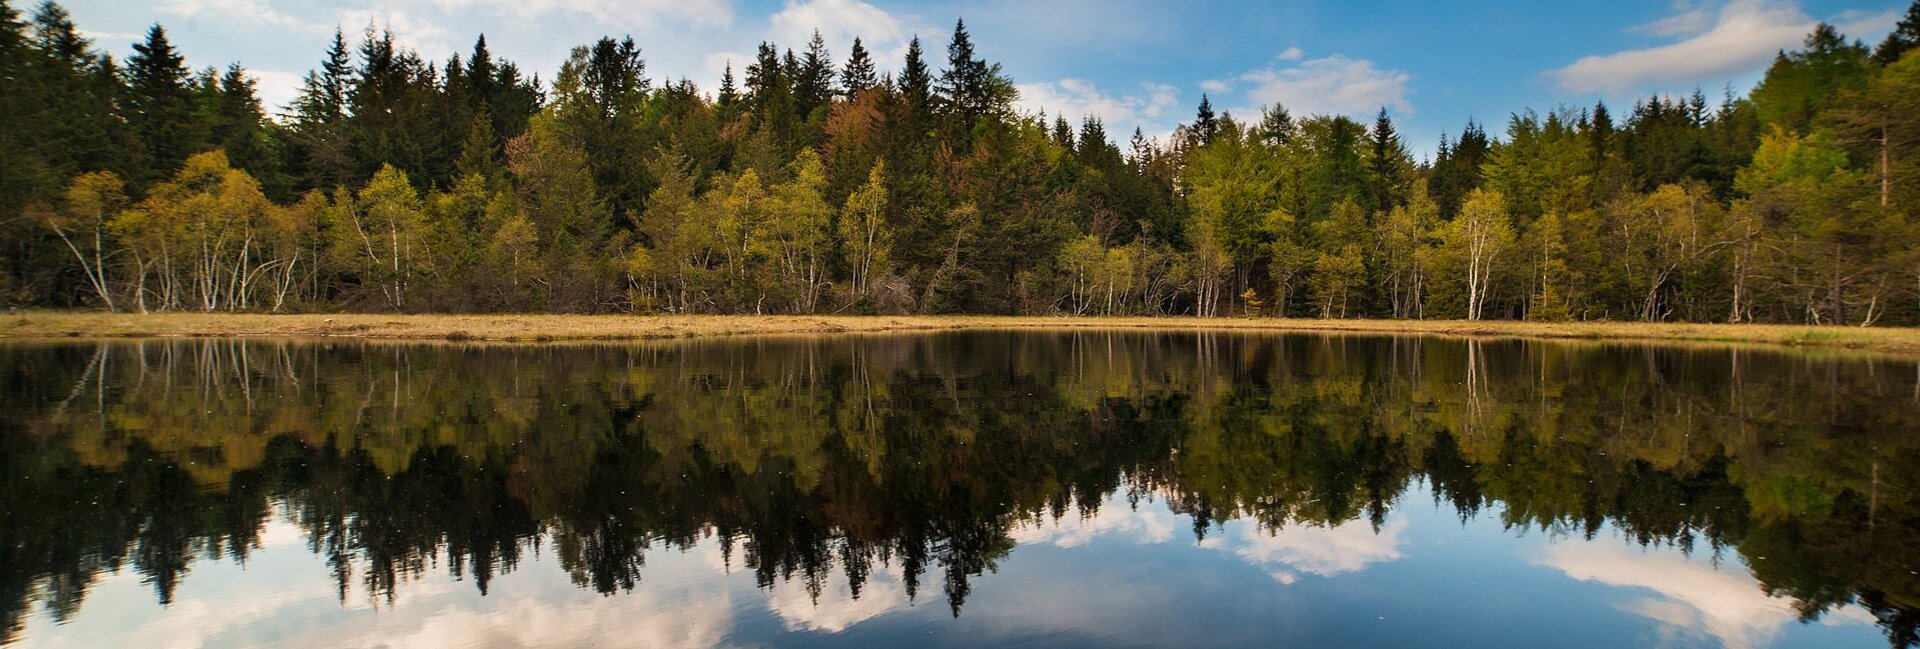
[806, 184]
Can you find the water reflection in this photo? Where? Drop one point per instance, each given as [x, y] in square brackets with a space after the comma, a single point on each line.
[1731, 495]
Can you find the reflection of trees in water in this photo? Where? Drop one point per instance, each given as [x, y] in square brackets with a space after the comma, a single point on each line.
[806, 455]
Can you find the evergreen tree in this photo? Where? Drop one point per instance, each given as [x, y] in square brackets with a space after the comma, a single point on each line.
[479, 155]
[1204, 122]
[1276, 125]
[161, 110]
[317, 157]
[1388, 163]
[239, 127]
[916, 87]
[770, 92]
[1905, 37]
[858, 75]
[729, 92]
[813, 82]
[71, 94]
[1802, 82]
[971, 88]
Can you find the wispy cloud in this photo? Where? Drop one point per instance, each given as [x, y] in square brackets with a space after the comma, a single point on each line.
[1332, 85]
[1077, 99]
[1323, 550]
[622, 14]
[1714, 43]
[1686, 595]
[258, 13]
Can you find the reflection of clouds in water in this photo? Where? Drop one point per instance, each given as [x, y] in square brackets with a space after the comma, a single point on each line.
[684, 602]
[1149, 523]
[884, 591]
[1691, 595]
[1314, 549]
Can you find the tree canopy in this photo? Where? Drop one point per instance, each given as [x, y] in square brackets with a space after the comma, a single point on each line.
[813, 183]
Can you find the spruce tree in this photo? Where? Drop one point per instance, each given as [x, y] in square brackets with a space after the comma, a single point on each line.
[966, 85]
[1205, 124]
[479, 155]
[916, 81]
[1905, 36]
[729, 92]
[161, 111]
[1276, 125]
[22, 166]
[813, 81]
[239, 127]
[1388, 163]
[73, 95]
[323, 95]
[858, 76]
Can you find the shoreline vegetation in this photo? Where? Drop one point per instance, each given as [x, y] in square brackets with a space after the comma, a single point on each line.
[27, 325]
[817, 178]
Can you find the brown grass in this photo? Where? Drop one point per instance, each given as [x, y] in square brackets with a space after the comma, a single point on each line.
[58, 324]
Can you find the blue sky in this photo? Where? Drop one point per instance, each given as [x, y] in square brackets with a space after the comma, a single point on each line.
[1135, 62]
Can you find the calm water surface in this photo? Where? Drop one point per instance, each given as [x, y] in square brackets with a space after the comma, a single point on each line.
[1014, 489]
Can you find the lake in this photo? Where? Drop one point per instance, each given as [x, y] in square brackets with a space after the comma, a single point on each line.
[1020, 489]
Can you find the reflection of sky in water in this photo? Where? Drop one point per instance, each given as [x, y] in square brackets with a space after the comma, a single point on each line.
[1125, 577]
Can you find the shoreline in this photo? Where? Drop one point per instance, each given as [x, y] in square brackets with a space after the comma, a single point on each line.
[544, 328]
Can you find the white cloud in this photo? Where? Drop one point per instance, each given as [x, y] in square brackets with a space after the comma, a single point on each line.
[836, 609]
[1141, 524]
[251, 12]
[1738, 37]
[624, 14]
[1215, 85]
[1291, 54]
[1076, 99]
[839, 22]
[276, 89]
[1315, 549]
[428, 37]
[1689, 595]
[1333, 85]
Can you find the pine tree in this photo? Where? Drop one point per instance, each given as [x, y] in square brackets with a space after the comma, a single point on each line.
[317, 157]
[729, 92]
[1388, 163]
[239, 127]
[970, 87]
[161, 107]
[858, 76]
[323, 95]
[916, 81]
[1905, 36]
[1600, 133]
[813, 82]
[1276, 125]
[71, 92]
[1205, 124]
[479, 155]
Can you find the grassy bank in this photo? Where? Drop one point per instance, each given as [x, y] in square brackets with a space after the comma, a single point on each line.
[57, 324]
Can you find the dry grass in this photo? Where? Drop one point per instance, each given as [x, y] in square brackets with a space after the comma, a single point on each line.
[56, 324]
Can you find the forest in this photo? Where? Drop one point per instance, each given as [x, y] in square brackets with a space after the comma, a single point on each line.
[812, 182]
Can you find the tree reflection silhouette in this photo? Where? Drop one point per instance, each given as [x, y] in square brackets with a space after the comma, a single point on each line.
[807, 455]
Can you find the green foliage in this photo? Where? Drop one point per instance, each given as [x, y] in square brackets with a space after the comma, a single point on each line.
[808, 186]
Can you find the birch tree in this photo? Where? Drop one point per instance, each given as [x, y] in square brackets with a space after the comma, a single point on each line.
[864, 233]
[93, 200]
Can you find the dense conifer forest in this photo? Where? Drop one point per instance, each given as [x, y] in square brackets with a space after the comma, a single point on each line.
[810, 182]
